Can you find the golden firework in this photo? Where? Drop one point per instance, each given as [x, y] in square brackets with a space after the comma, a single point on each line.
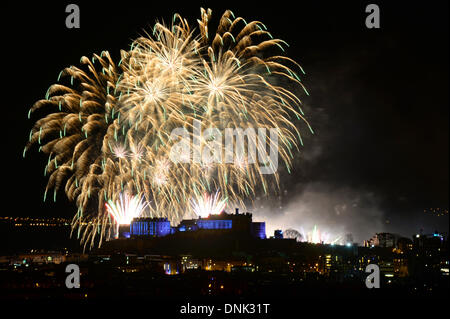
[111, 129]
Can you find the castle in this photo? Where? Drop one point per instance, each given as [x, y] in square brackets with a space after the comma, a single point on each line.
[160, 227]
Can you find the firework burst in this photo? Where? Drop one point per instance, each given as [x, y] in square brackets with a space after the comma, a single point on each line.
[206, 205]
[125, 209]
[108, 131]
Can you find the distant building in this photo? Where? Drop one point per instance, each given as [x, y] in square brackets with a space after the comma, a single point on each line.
[387, 268]
[404, 244]
[428, 242]
[215, 222]
[385, 240]
[186, 225]
[429, 259]
[160, 227]
[258, 230]
[278, 234]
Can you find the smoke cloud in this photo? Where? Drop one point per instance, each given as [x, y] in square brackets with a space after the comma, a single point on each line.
[337, 211]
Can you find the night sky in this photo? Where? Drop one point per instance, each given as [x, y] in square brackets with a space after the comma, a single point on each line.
[378, 98]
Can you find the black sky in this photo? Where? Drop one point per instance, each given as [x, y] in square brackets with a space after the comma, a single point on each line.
[378, 98]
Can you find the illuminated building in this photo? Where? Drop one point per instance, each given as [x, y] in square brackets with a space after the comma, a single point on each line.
[225, 265]
[187, 225]
[258, 230]
[387, 268]
[214, 223]
[170, 268]
[401, 267]
[404, 245]
[160, 227]
[386, 240]
[189, 263]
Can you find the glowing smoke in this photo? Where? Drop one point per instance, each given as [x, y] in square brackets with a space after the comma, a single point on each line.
[322, 213]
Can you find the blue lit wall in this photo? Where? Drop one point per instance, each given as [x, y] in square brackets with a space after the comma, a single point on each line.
[161, 226]
[150, 228]
[189, 227]
[214, 224]
[258, 230]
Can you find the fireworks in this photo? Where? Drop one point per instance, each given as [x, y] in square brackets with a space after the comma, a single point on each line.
[109, 127]
[125, 209]
[319, 236]
[206, 205]
[315, 236]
